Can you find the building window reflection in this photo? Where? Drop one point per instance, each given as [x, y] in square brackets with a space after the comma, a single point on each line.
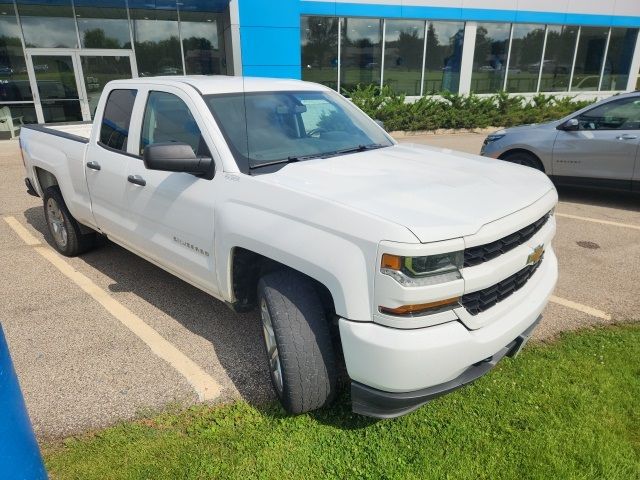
[319, 39]
[589, 58]
[361, 54]
[525, 57]
[48, 23]
[490, 57]
[103, 24]
[404, 46]
[444, 57]
[203, 43]
[157, 40]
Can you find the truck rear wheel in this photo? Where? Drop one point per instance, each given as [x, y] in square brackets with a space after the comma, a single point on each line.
[297, 341]
[65, 230]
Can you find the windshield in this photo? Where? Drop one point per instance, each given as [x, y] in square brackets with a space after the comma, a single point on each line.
[263, 128]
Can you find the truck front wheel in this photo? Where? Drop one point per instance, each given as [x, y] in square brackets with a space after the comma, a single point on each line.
[297, 341]
[65, 230]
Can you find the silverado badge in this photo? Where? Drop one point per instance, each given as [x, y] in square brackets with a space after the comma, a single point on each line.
[535, 257]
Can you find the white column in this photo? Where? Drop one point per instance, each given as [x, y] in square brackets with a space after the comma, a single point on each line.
[232, 40]
[468, 48]
[635, 67]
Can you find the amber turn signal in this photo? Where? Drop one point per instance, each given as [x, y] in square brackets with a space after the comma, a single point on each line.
[411, 310]
[392, 262]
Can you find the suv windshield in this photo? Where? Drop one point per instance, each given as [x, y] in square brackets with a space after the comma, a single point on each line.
[263, 128]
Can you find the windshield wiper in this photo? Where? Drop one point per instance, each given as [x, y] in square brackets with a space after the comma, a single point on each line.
[299, 158]
[359, 148]
[289, 159]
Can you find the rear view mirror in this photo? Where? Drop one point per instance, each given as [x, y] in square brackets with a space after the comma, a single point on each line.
[569, 125]
[379, 122]
[175, 157]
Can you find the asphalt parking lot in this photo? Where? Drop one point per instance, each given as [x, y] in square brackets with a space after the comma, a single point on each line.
[73, 325]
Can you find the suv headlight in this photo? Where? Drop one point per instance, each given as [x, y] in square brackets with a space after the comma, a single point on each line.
[494, 137]
[422, 271]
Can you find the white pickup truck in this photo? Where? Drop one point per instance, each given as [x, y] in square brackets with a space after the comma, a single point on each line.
[418, 267]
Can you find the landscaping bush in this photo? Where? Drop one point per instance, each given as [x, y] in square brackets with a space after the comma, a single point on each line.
[454, 111]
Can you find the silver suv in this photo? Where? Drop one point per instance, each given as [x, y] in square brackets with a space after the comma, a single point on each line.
[595, 146]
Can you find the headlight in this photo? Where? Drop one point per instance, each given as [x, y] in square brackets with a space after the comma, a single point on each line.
[422, 271]
[494, 137]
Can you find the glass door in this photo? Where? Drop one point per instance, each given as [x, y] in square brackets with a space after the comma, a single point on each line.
[57, 85]
[99, 69]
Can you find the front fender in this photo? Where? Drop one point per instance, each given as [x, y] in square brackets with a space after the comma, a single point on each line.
[344, 265]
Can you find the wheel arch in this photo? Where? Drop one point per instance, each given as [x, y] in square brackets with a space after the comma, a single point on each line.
[515, 150]
[45, 179]
[246, 269]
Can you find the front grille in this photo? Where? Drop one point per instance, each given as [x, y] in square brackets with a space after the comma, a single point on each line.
[482, 300]
[483, 253]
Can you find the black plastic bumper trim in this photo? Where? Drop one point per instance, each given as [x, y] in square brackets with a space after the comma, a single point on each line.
[30, 190]
[376, 403]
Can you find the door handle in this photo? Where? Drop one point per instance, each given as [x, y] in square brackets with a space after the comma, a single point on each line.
[626, 136]
[136, 179]
[93, 165]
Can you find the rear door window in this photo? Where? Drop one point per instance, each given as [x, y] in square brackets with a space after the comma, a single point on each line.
[114, 130]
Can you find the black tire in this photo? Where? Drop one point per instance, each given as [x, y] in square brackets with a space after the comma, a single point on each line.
[68, 238]
[524, 158]
[303, 341]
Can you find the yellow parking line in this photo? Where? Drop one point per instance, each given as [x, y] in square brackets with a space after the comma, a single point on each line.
[594, 312]
[596, 220]
[22, 232]
[204, 385]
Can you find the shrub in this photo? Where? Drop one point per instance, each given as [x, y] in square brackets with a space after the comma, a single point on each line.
[454, 111]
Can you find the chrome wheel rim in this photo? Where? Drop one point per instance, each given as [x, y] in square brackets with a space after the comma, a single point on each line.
[275, 366]
[56, 223]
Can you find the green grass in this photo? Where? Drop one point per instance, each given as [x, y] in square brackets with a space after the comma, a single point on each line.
[561, 411]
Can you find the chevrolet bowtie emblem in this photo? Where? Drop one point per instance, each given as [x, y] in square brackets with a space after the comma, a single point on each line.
[535, 257]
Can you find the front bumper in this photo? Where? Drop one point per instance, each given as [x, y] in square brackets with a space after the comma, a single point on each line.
[414, 363]
[380, 404]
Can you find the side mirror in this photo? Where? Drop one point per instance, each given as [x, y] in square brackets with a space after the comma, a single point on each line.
[175, 157]
[570, 125]
[379, 122]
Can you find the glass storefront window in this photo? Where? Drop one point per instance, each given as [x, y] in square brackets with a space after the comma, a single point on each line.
[103, 24]
[98, 70]
[558, 58]
[619, 55]
[156, 39]
[490, 57]
[404, 46]
[319, 40]
[589, 58]
[361, 52]
[203, 43]
[48, 23]
[14, 80]
[444, 56]
[525, 58]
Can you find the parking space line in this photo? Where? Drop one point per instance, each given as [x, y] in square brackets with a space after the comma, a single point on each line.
[594, 312]
[596, 220]
[22, 232]
[204, 385]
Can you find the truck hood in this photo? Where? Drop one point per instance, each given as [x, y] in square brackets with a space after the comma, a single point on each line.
[436, 193]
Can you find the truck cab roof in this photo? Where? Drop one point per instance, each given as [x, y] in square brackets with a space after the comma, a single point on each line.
[216, 84]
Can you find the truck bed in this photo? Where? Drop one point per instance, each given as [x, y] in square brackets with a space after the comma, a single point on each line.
[79, 132]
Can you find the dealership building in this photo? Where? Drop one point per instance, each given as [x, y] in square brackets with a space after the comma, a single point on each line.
[57, 55]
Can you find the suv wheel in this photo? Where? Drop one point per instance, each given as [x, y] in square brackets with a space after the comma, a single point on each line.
[297, 341]
[524, 158]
